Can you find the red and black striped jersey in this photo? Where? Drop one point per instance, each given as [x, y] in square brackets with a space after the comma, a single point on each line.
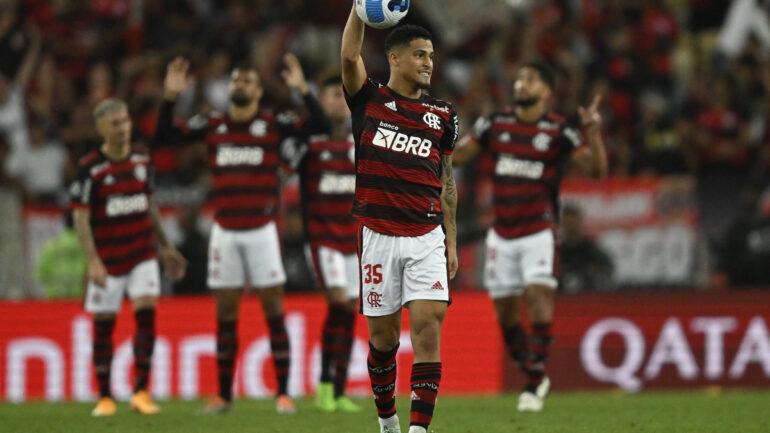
[244, 158]
[399, 145]
[327, 182]
[529, 164]
[118, 194]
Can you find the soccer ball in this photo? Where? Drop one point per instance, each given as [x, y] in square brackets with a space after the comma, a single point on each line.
[382, 14]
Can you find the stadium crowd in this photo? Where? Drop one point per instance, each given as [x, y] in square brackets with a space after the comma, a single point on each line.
[686, 87]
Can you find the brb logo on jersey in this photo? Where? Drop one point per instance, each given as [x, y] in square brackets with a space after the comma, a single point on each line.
[124, 205]
[402, 143]
[432, 120]
[332, 183]
[227, 155]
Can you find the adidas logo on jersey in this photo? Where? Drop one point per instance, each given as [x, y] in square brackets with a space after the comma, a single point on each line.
[402, 143]
[437, 286]
[391, 105]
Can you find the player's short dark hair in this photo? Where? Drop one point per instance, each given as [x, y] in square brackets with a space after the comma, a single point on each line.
[403, 35]
[334, 80]
[245, 66]
[546, 72]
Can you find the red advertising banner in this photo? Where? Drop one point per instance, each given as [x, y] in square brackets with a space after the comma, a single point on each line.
[45, 350]
[631, 341]
[648, 226]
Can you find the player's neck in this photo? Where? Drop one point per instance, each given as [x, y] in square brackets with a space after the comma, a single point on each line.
[530, 114]
[404, 88]
[340, 129]
[243, 114]
[116, 151]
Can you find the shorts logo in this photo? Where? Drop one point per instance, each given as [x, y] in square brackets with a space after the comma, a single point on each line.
[437, 286]
[374, 299]
[432, 120]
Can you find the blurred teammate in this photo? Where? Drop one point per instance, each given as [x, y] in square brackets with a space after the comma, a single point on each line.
[328, 178]
[247, 161]
[117, 223]
[406, 200]
[530, 146]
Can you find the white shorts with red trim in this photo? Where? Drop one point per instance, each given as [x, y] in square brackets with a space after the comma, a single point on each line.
[398, 269]
[514, 264]
[235, 255]
[334, 269]
[142, 280]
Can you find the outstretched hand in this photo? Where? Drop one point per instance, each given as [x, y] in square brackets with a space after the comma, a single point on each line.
[293, 75]
[176, 78]
[591, 119]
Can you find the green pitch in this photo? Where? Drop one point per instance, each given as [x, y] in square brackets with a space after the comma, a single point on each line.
[732, 411]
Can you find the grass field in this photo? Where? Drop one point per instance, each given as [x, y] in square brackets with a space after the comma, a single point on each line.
[733, 411]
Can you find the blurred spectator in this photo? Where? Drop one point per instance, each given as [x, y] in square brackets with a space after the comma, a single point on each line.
[194, 248]
[43, 167]
[744, 254]
[61, 269]
[657, 138]
[584, 265]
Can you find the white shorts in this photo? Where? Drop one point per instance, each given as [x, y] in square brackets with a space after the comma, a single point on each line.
[233, 253]
[334, 269]
[399, 269]
[514, 264]
[142, 280]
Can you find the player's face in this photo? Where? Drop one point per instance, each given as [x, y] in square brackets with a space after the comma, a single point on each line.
[245, 87]
[115, 127]
[415, 62]
[333, 102]
[529, 87]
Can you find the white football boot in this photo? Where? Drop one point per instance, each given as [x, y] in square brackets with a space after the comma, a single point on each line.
[389, 425]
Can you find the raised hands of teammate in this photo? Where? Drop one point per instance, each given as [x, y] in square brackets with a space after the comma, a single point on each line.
[293, 75]
[176, 78]
[590, 118]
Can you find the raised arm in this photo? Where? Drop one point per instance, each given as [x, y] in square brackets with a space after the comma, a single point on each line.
[449, 209]
[175, 82]
[467, 149]
[353, 70]
[294, 78]
[591, 160]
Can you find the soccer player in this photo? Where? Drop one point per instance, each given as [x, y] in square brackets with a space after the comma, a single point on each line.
[117, 223]
[406, 200]
[531, 147]
[327, 177]
[245, 155]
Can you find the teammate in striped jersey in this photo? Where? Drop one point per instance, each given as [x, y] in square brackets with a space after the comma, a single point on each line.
[406, 200]
[249, 156]
[117, 223]
[327, 181]
[531, 147]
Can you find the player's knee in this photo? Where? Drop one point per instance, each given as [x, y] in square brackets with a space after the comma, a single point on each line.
[272, 301]
[384, 340]
[426, 337]
[337, 296]
[227, 306]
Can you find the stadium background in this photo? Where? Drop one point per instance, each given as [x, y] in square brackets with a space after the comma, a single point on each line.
[664, 264]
